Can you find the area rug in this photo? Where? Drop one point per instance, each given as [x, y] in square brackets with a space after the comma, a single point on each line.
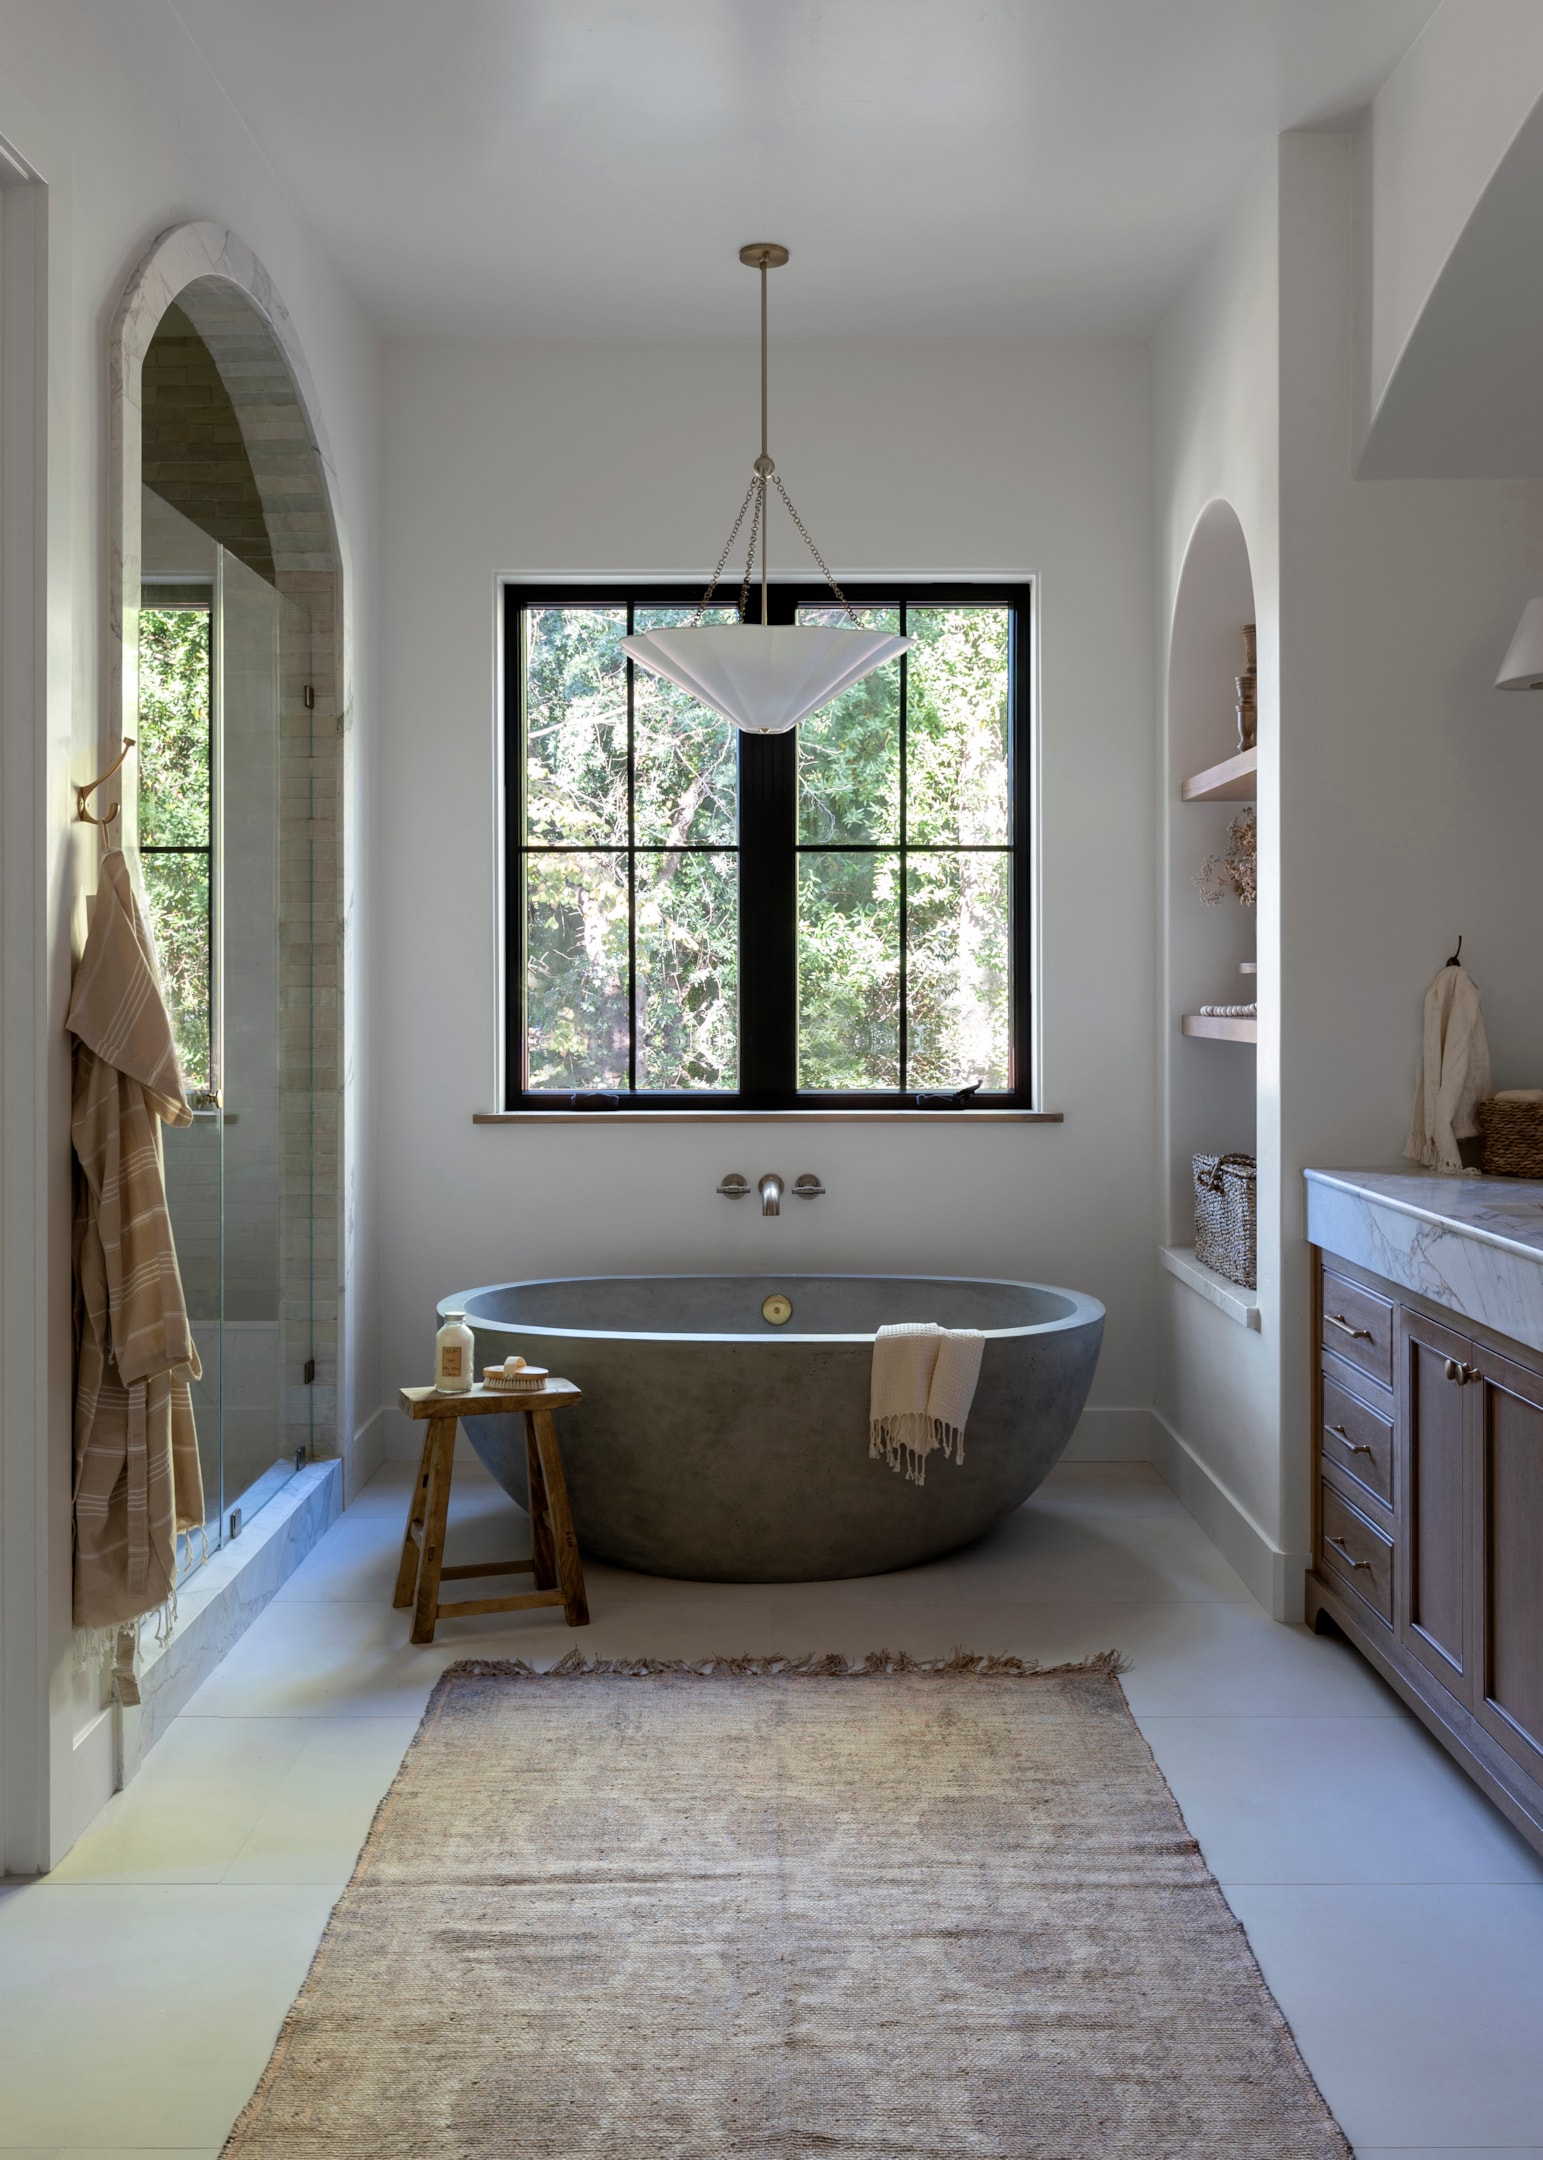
[777, 1910]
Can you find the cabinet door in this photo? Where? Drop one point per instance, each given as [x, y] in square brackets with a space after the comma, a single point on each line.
[1506, 1622]
[1434, 1480]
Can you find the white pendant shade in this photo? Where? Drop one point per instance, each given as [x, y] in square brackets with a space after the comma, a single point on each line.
[763, 677]
[1522, 668]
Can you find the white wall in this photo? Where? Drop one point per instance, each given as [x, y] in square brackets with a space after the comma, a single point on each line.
[548, 459]
[1398, 792]
[1439, 130]
[1217, 392]
[110, 105]
[1410, 787]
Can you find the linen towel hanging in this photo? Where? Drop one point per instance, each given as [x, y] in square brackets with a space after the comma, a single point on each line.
[1454, 1072]
[137, 1477]
[920, 1393]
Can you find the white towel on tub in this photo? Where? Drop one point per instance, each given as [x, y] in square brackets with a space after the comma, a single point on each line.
[923, 1385]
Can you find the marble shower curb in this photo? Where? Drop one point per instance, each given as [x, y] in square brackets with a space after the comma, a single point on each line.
[219, 1603]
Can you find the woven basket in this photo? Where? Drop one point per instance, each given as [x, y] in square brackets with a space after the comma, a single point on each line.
[1513, 1138]
[1226, 1216]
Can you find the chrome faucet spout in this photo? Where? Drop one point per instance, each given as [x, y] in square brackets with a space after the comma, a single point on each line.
[771, 1194]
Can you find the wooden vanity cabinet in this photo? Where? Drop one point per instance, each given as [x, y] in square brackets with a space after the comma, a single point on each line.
[1433, 1446]
[1428, 1520]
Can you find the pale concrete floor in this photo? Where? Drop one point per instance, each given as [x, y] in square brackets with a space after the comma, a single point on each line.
[1398, 1919]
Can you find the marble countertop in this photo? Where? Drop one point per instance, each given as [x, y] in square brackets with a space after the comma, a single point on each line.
[1503, 1211]
[1471, 1244]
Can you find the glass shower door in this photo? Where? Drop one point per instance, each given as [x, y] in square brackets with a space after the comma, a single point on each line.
[224, 859]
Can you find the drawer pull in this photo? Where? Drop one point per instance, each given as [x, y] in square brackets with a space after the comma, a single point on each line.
[1356, 1334]
[1356, 1447]
[1346, 1554]
[1462, 1374]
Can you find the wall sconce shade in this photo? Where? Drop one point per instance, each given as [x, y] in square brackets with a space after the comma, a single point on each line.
[1522, 667]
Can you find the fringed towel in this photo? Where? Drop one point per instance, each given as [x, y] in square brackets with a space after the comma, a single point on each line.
[137, 1478]
[923, 1385]
[1454, 1073]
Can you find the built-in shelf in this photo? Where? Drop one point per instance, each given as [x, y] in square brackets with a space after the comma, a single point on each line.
[1215, 1029]
[1229, 1297]
[1236, 779]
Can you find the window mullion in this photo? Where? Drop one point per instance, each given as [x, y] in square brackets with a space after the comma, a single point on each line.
[768, 920]
[632, 871]
[903, 1017]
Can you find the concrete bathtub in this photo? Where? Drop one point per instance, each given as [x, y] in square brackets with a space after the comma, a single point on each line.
[716, 1446]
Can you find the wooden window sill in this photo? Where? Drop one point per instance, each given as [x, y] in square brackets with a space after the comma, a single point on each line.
[768, 1117]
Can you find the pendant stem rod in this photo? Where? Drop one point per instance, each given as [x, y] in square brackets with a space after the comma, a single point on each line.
[765, 459]
[763, 360]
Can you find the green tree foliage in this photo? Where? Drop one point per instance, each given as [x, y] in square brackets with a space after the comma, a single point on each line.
[682, 795]
[175, 812]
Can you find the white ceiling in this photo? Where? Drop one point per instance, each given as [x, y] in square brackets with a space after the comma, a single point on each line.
[939, 168]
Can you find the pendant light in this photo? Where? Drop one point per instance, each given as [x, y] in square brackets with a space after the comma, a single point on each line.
[1522, 667]
[764, 676]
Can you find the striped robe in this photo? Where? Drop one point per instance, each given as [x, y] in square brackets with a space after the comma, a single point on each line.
[137, 1477]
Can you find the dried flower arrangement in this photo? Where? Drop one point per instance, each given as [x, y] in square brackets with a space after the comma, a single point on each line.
[1237, 870]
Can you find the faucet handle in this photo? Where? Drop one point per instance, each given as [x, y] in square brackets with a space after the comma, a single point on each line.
[734, 1187]
[806, 1186]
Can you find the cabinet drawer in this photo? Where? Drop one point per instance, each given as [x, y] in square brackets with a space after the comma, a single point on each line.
[1357, 1441]
[1356, 1553]
[1358, 1325]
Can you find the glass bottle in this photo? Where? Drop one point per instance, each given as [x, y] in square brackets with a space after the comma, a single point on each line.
[454, 1372]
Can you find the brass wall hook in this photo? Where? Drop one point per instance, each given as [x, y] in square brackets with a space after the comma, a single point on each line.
[101, 780]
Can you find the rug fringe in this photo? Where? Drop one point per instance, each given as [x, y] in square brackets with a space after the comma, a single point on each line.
[827, 1665]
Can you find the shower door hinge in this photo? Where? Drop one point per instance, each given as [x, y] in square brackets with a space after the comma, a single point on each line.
[310, 1372]
[310, 697]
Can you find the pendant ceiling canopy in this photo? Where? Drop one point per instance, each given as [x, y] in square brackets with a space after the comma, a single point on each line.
[764, 677]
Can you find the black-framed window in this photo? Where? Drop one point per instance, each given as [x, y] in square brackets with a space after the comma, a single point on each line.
[837, 917]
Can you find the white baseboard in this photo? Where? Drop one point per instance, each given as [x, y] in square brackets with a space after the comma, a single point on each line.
[93, 1771]
[1111, 1436]
[402, 1441]
[1275, 1578]
[368, 1453]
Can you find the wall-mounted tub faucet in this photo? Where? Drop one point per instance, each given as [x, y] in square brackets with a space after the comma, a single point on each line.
[806, 1186]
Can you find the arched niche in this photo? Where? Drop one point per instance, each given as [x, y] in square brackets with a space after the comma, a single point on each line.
[1211, 1088]
[227, 307]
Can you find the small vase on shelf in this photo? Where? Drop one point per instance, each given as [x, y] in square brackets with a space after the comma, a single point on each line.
[1247, 686]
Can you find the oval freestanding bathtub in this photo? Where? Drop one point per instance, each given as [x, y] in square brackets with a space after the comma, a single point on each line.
[716, 1446]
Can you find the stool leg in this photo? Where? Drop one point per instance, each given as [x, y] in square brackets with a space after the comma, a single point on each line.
[570, 1569]
[441, 1453]
[544, 1572]
[407, 1573]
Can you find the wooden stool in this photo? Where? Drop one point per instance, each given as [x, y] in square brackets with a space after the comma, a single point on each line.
[554, 1560]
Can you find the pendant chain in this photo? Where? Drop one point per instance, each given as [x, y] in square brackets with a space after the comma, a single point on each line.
[765, 470]
[756, 493]
[712, 585]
